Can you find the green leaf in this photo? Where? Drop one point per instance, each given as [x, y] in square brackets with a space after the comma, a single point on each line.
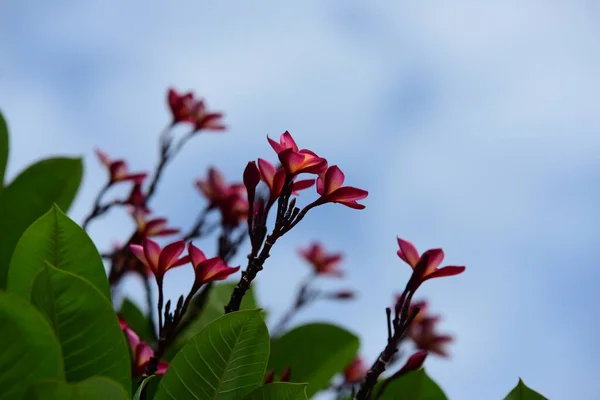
[86, 326]
[226, 360]
[3, 149]
[143, 387]
[415, 385]
[137, 321]
[315, 353]
[218, 297]
[279, 391]
[96, 388]
[29, 350]
[30, 195]
[57, 239]
[522, 392]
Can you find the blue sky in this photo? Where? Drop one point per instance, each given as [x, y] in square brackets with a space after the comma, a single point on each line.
[473, 126]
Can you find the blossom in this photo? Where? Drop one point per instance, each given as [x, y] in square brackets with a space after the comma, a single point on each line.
[355, 371]
[424, 335]
[158, 260]
[180, 105]
[234, 209]
[413, 363]
[329, 186]
[208, 269]
[118, 169]
[322, 262]
[214, 187]
[296, 161]
[275, 180]
[137, 199]
[424, 267]
[153, 227]
[205, 120]
[141, 352]
[251, 179]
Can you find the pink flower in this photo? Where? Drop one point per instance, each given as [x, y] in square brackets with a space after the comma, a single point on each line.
[118, 170]
[296, 161]
[208, 269]
[424, 267]
[322, 262]
[329, 186]
[158, 260]
[355, 371]
[180, 106]
[153, 227]
[141, 352]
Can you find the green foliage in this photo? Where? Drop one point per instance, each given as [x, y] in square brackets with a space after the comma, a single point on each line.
[4, 145]
[146, 383]
[96, 388]
[29, 350]
[30, 195]
[415, 385]
[279, 391]
[56, 239]
[226, 360]
[315, 353]
[137, 321]
[85, 324]
[522, 392]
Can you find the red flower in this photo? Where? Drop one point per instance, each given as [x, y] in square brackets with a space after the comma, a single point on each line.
[214, 187]
[413, 363]
[234, 209]
[251, 179]
[141, 352]
[424, 267]
[153, 227]
[158, 260]
[424, 335]
[355, 371]
[118, 170]
[329, 186]
[296, 161]
[205, 120]
[137, 199]
[322, 263]
[275, 180]
[181, 106]
[208, 270]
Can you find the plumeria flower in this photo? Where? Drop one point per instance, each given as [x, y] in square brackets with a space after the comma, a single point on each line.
[275, 180]
[153, 227]
[205, 120]
[322, 262]
[329, 186]
[413, 363]
[181, 106]
[234, 209]
[251, 180]
[424, 267]
[208, 269]
[118, 169]
[296, 161]
[215, 189]
[137, 199]
[158, 260]
[355, 371]
[425, 337]
[141, 352]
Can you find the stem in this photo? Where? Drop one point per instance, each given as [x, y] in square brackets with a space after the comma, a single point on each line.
[160, 307]
[98, 209]
[301, 300]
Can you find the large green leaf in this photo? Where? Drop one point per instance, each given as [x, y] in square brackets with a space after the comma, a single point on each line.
[57, 239]
[4, 143]
[226, 360]
[522, 392]
[279, 391]
[218, 297]
[137, 321]
[30, 195]
[29, 350]
[96, 388]
[415, 385]
[315, 353]
[86, 326]
[143, 388]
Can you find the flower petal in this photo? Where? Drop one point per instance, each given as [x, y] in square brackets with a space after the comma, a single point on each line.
[196, 255]
[287, 141]
[302, 184]
[408, 252]
[162, 367]
[170, 254]
[436, 256]
[267, 172]
[276, 146]
[334, 179]
[138, 252]
[103, 157]
[445, 271]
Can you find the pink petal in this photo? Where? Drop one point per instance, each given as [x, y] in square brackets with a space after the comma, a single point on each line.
[155, 225]
[170, 254]
[320, 185]
[182, 261]
[276, 146]
[152, 253]
[414, 362]
[267, 171]
[287, 141]
[436, 256]
[292, 161]
[302, 184]
[138, 251]
[196, 255]
[216, 179]
[352, 204]
[278, 182]
[167, 232]
[445, 271]
[103, 157]
[132, 338]
[162, 367]
[143, 353]
[334, 179]
[408, 252]
[346, 193]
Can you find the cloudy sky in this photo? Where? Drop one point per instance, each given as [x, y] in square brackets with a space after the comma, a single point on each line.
[474, 127]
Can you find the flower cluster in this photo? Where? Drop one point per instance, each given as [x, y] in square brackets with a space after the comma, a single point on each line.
[187, 108]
